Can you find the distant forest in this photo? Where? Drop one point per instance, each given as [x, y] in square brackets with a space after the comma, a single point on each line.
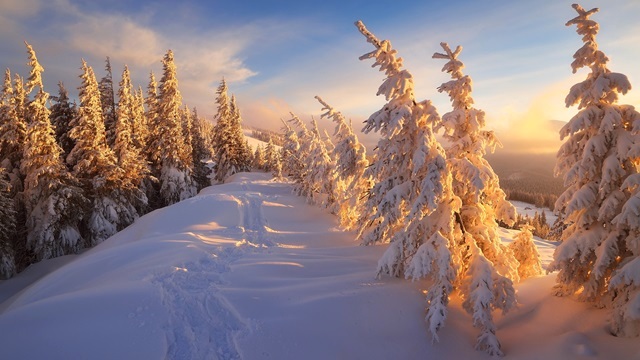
[528, 177]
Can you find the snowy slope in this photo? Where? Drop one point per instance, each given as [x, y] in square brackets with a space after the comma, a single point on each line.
[247, 270]
[253, 142]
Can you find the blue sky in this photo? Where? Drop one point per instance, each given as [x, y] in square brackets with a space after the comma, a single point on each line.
[276, 55]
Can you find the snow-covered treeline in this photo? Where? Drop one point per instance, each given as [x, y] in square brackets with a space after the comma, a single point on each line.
[75, 174]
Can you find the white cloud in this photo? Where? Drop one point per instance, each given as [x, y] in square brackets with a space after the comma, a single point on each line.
[117, 37]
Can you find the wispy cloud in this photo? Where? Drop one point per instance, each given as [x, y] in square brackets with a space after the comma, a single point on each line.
[116, 36]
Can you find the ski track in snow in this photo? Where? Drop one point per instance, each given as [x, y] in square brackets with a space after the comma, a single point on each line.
[198, 313]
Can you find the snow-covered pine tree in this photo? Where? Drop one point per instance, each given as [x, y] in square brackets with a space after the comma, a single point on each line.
[350, 185]
[405, 127]
[231, 154]
[54, 202]
[95, 166]
[208, 135]
[175, 179]
[276, 171]
[320, 175]
[152, 149]
[200, 152]
[526, 253]
[483, 201]
[271, 156]
[7, 229]
[241, 147]
[222, 135]
[304, 138]
[151, 115]
[129, 156]
[108, 102]
[259, 161]
[13, 130]
[291, 162]
[140, 125]
[187, 134]
[600, 255]
[62, 113]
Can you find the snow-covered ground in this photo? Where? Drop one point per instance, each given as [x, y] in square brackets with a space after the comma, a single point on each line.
[247, 270]
[530, 210]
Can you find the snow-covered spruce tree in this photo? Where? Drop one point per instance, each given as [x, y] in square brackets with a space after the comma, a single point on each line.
[151, 115]
[140, 127]
[259, 160]
[304, 140]
[7, 229]
[129, 156]
[320, 175]
[600, 255]
[187, 134]
[54, 202]
[230, 153]
[200, 152]
[62, 113]
[240, 145]
[13, 130]
[271, 156]
[223, 148]
[152, 149]
[108, 102]
[95, 166]
[405, 126]
[291, 163]
[175, 179]
[483, 201]
[276, 170]
[350, 185]
[273, 160]
[525, 251]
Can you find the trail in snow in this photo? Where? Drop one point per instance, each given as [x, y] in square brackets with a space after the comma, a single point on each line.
[202, 324]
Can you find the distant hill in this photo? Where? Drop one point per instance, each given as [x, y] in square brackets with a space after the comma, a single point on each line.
[263, 135]
[527, 172]
[528, 177]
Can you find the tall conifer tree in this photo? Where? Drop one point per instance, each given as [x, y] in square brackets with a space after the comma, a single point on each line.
[48, 185]
[176, 183]
[62, 113]
[7, 229]
[351, 184]
[230, 151]
[200, 152]
[13, 130]
[129, 155]
[599, 257]
[489, 265]
[108, 103]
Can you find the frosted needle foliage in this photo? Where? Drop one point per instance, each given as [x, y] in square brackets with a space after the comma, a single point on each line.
[599, 160]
